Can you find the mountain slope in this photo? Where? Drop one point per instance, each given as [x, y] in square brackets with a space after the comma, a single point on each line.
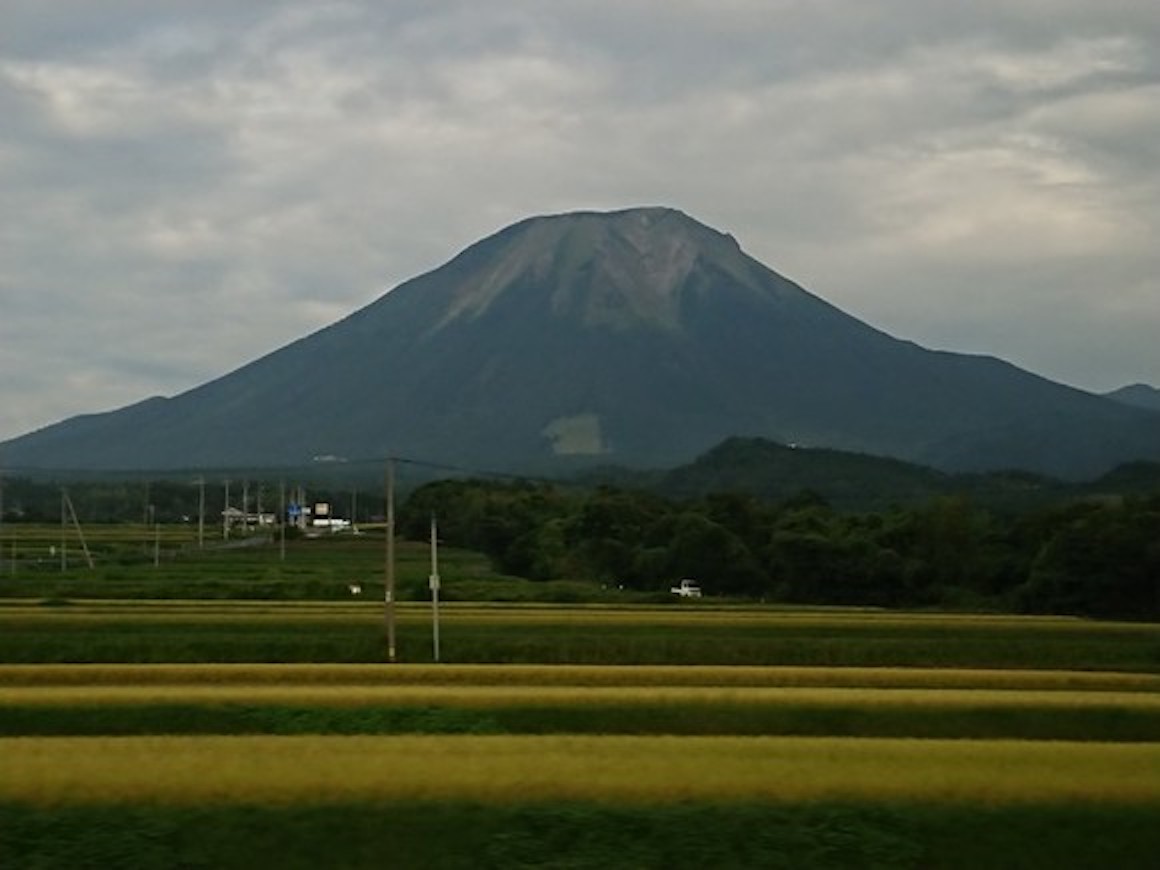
[636, 337]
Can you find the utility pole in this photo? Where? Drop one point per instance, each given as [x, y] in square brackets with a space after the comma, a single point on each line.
[246, 506]
[226, 514]
[63, 539]
[201, 513]
[282, 525]
[434, 591]
[389, 586]
[2, 517]
[147, 516]
[156, 536]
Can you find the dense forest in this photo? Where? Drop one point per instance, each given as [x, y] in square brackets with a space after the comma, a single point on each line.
[1077, 552]
[1093, 557]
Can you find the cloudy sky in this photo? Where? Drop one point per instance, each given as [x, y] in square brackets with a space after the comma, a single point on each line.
[187, 185]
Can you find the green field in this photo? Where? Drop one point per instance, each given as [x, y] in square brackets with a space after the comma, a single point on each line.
[353, 632]
[229, 727]
[136, 562]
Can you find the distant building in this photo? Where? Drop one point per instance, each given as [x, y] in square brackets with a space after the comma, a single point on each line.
[238, 519]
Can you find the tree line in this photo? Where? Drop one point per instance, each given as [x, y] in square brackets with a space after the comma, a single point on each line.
[1096, 558]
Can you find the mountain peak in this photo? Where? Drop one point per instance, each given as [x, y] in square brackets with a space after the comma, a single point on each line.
[614, 269]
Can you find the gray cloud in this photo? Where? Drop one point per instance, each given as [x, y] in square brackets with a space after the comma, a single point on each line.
[189, 185]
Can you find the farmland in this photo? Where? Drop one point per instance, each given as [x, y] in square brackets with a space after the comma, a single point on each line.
[122, 723]
[707, 634]
[635, 770]
[244, 724]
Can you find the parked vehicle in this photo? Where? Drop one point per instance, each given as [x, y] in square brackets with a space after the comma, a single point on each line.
[687, 589]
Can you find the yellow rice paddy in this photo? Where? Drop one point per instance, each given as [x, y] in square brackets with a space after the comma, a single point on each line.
[201, 770]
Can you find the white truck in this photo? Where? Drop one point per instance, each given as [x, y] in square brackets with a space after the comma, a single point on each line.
[687, 589]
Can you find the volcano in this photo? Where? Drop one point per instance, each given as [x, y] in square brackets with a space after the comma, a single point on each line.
[638, 337]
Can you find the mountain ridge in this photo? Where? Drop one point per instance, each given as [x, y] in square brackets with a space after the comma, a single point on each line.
[1137, 395]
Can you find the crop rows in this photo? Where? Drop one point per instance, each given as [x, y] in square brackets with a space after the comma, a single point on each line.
[1039, 737]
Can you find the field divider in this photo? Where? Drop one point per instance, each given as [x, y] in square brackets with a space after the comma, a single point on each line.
[575, 675]
[530, 709]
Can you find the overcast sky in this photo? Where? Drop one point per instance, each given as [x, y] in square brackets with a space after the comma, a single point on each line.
[188, 185]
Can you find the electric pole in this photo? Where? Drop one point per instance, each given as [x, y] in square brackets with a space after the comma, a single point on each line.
[156, 536]
[389, 586]
[434, 590]
[226, 514]
[282, 524]
[201, 513]
[245, 506]
[63, 527]
[2, 517]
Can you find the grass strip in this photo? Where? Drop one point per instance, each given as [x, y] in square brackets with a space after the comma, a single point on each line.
[582, 836]
[376, 709]
[1025, 722]
[572, 675]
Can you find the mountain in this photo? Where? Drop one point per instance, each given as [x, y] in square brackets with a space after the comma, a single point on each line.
[637, 337]
[776, 472]
[1138, 396]
[860, 482]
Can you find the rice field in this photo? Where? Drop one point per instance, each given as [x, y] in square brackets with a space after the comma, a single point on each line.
[811, 738]
[653, 769]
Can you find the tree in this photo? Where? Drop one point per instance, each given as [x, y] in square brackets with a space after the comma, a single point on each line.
[1103, 563]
